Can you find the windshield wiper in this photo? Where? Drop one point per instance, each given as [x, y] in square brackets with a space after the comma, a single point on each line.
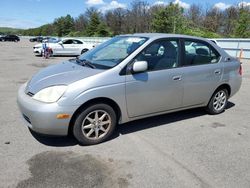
[85, 62]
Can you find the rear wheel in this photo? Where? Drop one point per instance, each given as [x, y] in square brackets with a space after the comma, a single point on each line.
[94, 124]
[218, 102]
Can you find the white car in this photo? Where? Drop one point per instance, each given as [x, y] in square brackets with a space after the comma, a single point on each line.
[64, 47]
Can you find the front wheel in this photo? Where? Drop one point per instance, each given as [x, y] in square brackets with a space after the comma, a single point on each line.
[94, 124]
[218, 102]
[84, 51]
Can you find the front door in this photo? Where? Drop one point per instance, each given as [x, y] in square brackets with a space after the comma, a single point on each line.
[160, 88]
[65, 48]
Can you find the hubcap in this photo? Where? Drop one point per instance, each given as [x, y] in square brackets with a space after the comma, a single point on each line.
[96, 124]
[219, 101]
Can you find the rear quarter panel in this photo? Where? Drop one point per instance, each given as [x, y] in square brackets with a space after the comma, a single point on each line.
[231, 75]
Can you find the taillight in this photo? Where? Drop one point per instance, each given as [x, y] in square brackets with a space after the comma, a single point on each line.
[240, 69]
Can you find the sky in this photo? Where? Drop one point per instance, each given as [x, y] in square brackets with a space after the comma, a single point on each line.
[34, 13]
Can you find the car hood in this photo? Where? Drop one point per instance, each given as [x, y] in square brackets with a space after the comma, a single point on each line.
[60, 74]
[40, 45]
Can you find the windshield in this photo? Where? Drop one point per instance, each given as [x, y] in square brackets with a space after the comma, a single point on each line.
[113, 52]
[52, 40]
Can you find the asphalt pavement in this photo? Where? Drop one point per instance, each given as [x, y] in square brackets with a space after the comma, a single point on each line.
[183, 149]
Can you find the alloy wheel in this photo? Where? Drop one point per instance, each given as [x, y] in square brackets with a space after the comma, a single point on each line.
[96, 124]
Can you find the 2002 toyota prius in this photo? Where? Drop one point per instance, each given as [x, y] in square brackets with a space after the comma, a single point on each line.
[126, 78]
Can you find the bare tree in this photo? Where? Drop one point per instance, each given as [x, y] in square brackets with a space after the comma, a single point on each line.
[81, 23]
[213, 20]
[139, 17]
[195, 15]
[230, 17]
[116, 20]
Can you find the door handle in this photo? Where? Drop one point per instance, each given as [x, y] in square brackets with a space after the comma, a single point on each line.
[217, 71]
[177, 78]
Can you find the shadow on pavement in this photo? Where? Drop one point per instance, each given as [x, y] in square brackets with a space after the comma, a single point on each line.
[127, 128]
[57, 141]
[160, 120]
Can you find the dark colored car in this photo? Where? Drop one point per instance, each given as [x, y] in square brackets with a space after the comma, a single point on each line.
[37, 39]
[10, 38]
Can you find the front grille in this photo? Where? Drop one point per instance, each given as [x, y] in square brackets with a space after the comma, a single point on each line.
[30, 94]
[27, 119]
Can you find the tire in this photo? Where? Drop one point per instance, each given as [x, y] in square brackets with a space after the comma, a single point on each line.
[218, 102]
[89, 130]
[84, 50]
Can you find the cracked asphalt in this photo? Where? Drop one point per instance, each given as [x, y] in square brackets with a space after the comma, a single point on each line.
[184, 149]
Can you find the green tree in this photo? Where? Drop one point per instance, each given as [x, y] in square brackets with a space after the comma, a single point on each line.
[103, 31]
[243, 24]
[170, 19]
[92, 28]
[64, 25]
[96, 26]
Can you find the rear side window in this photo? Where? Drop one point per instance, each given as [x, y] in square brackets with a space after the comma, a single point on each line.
[77, 42]
[199, 53]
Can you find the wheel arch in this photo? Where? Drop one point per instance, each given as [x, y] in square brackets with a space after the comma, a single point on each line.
[224, 86]
[84, 50]
[85, 105]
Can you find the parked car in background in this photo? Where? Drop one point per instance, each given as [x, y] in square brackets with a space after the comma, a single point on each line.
[51, 39]
[126, 78]
[37, 39]
[13, 38]
[71, 47]
[1, 36]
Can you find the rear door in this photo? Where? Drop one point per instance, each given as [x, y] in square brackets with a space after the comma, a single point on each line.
[202, 72]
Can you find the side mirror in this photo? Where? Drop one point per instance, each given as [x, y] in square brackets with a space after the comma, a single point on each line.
[60, 43]
[139, 66]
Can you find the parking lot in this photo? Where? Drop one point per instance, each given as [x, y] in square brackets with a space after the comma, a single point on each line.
[184, 149]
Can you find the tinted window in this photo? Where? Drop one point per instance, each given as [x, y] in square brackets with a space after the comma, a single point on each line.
[162, 54]
[68, 42]
[197, 53]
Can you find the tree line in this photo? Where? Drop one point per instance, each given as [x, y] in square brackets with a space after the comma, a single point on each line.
[211, 22]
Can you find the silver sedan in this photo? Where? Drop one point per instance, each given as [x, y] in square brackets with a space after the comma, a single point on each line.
[126, 78]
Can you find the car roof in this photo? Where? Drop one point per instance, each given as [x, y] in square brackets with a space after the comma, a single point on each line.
[63, 39]
[155, 36]
[163, 35]
[71, 39]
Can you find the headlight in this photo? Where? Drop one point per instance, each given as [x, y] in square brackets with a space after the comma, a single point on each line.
[50, 94]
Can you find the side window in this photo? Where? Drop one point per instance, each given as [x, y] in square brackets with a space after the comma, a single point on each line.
[77, 42]
[198, 53]
[162, 54]
[68, 42]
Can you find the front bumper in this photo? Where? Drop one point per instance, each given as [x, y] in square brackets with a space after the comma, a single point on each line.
[37, 51]
[41, 117]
